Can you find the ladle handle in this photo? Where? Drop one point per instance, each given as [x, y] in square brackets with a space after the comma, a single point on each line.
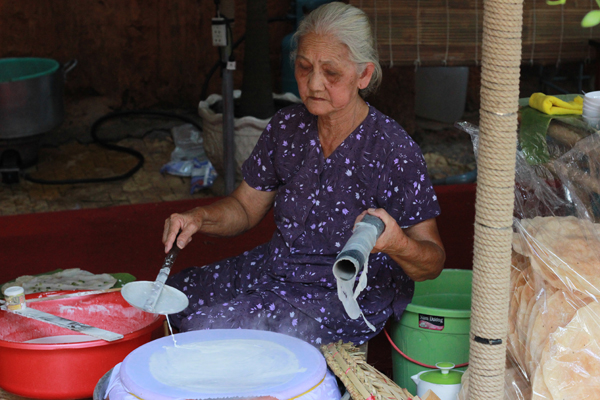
[171, 255]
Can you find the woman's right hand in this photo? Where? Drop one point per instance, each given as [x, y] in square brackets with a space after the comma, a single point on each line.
[188, 223]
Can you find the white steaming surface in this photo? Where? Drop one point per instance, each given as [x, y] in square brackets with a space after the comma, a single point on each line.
[224, 365]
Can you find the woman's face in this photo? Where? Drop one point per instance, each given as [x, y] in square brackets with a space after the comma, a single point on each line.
[328, 81]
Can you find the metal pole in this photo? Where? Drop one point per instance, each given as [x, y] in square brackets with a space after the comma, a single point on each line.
[228, 132]
[229, 163]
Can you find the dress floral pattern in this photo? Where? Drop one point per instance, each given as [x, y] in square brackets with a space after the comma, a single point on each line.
[287, 285]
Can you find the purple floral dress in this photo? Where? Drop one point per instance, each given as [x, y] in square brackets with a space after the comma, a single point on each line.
[287, 284]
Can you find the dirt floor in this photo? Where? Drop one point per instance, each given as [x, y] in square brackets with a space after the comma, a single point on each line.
[447, 149]
[70, 153]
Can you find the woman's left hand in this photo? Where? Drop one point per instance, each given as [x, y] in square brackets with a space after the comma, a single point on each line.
[417, 249]
[393, 238]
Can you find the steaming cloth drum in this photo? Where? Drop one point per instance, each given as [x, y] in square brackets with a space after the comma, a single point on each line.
[222, 363]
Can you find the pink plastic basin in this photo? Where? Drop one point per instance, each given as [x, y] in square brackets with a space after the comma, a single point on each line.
[69, 370]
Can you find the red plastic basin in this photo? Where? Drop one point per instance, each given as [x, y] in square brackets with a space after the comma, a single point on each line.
[69, 370]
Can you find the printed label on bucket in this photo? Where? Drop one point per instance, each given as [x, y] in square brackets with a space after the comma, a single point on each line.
[431, 322]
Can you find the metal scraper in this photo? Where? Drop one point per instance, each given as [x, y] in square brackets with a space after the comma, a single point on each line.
[69, 324]
[163, 274]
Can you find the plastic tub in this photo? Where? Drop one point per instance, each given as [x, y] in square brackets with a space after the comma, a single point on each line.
[69, 370]
[434, 327]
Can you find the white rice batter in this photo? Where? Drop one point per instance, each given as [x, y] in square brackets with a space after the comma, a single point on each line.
[224, 365]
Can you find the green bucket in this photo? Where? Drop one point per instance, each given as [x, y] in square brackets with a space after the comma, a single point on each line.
[434, 327]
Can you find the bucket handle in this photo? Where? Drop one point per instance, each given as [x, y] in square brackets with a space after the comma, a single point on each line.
[413, 360]
[69, 65]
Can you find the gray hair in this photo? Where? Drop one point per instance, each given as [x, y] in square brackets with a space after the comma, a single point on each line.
[351, 27]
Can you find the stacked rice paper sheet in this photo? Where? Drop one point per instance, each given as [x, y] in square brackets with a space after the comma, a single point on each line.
[68, 279]
[554, 313]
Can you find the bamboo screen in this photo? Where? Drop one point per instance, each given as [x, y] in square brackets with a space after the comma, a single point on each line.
[449, 32]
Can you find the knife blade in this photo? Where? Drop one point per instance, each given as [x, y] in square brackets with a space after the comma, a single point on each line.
[161, 278]
[69, 324]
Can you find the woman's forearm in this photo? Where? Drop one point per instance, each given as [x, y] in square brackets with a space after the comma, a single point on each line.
[417, 249]
[230, 216]
[420, 259]
[235, 214]
[225, 217]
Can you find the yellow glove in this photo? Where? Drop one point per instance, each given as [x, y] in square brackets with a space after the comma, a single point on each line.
[555, 106]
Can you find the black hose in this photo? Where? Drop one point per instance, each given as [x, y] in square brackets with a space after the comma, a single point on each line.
[118, 114]
[122, 149]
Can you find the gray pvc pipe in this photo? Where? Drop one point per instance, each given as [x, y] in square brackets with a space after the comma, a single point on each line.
[356, 251]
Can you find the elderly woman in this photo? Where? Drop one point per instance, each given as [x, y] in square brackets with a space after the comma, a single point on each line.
[322, 166]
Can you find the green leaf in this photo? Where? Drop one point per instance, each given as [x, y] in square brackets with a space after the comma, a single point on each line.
[591, 19]
[532, 135]
[534, 127]
[555, 2]
[122, 278]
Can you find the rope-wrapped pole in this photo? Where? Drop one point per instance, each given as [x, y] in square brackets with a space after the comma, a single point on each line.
[500, 73]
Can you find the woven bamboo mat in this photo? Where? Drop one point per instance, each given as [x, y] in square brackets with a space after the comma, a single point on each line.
[433, 32]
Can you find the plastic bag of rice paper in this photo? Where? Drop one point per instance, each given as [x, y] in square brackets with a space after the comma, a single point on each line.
[560, 281]
[68, 279]
[570, 365]
[563, 251]
[557, 238]
[555, 275]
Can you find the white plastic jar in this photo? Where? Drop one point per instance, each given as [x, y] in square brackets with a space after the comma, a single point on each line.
[15, 298]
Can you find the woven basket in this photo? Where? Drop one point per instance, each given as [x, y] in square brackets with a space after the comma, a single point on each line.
[362, 380]
[247, 130]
